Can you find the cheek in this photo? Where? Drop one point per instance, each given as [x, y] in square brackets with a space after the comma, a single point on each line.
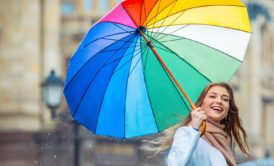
[227, 108]
[206, 108]
[205, 104]
[226, 113]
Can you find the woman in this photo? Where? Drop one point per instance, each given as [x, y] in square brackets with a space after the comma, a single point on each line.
[217, 107]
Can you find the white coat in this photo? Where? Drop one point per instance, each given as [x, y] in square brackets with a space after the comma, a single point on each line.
[189, 149]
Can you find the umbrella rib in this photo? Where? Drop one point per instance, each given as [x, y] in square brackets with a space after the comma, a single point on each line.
[112, 22]
[140, 16]
[175, 87]
[194, 8]
[158, 11]
[117, 25]
[121, 66]
[130, 39]
[182, 60]
[164, 49]
[118, 69]
[104, 37]
[165, 41]
[117, 48]
[129, 73]
[168, 34]
[120, 48]
[149, 99]
[86, 63]
[145, 62]
[181, 92]
[121, 40]
[189, 63]
[156, 34]
[204, 45]
[130, 16]
[111, 39]
[174, 4]
[137, 61]
[165, 34]
[120, 57]
[109, 50]
[167, 70]
[146, 14]
[87, 44]
[115, 71]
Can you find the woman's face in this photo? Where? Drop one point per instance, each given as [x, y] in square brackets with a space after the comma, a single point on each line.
[216, 103]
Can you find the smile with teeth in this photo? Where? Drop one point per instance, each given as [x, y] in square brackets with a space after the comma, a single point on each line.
[217, 108]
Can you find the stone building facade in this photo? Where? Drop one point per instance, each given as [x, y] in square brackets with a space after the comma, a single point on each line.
[39, 35]
[255, 79]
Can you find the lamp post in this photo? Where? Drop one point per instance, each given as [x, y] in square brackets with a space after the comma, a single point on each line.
[52, 91]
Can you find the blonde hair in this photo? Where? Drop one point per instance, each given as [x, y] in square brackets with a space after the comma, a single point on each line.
[233, 125]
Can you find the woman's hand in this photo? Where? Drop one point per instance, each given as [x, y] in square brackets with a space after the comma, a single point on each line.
[198, 116]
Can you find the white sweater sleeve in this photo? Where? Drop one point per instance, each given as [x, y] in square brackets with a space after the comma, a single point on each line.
[184, 143]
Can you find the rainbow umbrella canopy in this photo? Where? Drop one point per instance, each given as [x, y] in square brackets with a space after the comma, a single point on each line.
[124, 80]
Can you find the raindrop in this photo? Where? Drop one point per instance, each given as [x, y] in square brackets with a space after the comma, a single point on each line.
[90, 145]
[35, 162]
[55, 156]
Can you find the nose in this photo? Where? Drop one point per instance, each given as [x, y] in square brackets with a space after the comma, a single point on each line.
[218, 100]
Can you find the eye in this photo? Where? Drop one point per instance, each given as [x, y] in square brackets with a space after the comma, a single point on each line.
[226, 99]
[212, 96]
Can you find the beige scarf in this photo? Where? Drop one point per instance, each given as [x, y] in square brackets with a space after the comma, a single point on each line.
[216, 136]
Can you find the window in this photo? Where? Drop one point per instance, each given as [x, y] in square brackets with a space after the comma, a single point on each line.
[104, 5]
[88, 4]
[67, 8]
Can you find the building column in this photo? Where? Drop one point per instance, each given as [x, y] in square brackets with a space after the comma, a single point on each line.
[79, 4]
[255, 108]
[96, 6]
[51, 20]
[19, 66]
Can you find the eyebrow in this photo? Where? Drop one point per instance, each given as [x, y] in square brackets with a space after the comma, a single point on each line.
[216, 94]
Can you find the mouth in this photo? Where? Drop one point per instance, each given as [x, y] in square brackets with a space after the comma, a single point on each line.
[217, 109]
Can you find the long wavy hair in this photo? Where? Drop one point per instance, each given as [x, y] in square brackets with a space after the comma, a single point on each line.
[233, 125]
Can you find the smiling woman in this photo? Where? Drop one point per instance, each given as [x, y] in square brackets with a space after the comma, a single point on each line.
[216, 103]
[217, 107]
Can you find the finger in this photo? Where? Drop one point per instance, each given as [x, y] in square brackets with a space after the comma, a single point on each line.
[198, 109]
[204, 117]
[203, 113]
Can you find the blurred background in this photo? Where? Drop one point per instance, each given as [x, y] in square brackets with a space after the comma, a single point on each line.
[37, 38]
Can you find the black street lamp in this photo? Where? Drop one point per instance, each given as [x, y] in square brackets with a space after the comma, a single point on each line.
[52, 90]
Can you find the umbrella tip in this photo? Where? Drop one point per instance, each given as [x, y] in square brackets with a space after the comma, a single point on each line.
[142, 28]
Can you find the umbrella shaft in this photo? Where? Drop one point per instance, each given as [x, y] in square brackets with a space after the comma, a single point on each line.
[167, 69]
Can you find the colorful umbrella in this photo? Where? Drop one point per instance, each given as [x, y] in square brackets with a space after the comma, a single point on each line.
[126, 77]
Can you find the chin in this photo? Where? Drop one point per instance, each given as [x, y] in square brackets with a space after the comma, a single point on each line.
[216, 118]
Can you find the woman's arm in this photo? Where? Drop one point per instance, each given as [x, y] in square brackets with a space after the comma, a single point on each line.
[184, 143]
